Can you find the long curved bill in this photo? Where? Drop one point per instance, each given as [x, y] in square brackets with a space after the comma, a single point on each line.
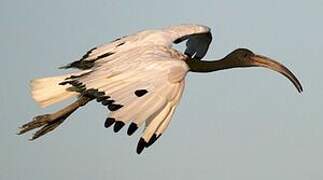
[262, 61]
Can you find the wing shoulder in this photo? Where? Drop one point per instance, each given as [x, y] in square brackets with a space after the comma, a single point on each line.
[198, 38]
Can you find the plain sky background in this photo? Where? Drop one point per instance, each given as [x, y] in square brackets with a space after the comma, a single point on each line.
[246, 124]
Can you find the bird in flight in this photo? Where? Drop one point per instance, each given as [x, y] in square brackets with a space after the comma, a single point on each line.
[140, 78]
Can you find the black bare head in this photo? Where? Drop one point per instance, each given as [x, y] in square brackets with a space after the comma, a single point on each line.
[241, 58]
[240, 55]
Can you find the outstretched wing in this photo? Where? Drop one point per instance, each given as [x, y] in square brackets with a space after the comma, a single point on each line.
[141, 86]
[198, 39]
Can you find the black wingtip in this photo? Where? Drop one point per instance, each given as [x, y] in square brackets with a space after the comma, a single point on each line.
[141, 145]
[118, 125]
[65, 66]
[105, 55]
[132, 128]
[140, 92]
[102, 98]
[152, 140]
[108, 122]
[107, 102]
[114, 107]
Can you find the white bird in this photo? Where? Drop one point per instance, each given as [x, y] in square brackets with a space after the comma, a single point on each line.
[140, 78]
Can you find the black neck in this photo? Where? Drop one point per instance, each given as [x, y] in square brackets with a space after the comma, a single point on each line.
[210, 66]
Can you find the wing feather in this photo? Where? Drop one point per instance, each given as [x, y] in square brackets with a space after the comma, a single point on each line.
[161, 120]
[173, 104]
[150, 107]
[156, 71]
[155, 122]
[198, 40]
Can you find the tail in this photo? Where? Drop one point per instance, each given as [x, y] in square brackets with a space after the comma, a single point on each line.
[47, 91]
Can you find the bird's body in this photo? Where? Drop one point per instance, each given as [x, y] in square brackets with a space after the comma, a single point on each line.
[140, 78]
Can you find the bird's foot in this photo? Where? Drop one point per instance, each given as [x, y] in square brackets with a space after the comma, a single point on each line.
[49, 122]
[46, 123]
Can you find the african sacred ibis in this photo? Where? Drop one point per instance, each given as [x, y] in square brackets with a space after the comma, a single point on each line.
[140, 78]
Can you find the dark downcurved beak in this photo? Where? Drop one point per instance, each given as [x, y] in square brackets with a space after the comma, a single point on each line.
[262, 61]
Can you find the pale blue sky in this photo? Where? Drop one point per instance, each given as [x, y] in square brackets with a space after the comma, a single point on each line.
[246, 124]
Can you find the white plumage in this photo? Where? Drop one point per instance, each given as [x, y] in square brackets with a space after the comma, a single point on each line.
[142, 61]
[139, 77]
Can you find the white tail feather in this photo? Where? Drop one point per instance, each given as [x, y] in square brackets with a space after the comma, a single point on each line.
[47, 91]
